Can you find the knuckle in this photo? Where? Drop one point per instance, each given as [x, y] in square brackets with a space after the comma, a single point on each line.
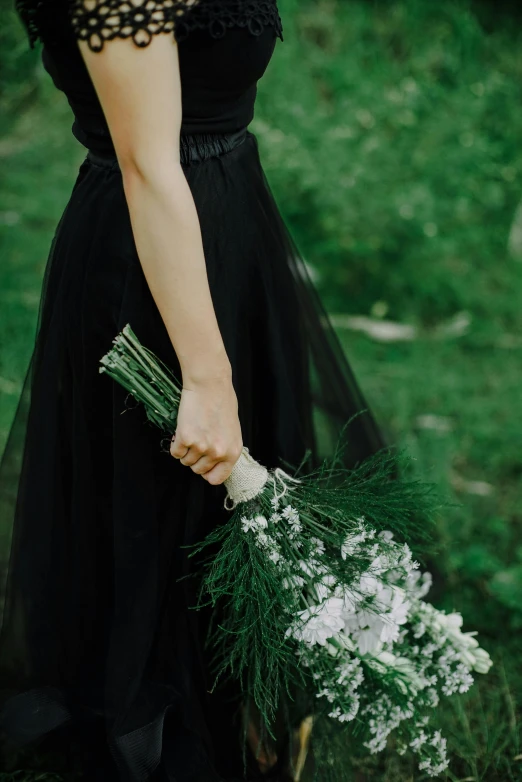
[179, 446]
[233, 455]
[216, 476]
[224, 453]
[218, 451]
[210, 452]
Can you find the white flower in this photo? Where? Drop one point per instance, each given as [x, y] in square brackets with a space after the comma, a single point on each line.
[261, 522]
[248, 524]
[482, 662]
[346, 642]
[274, 518]
[350, 601]
[324, 588]
[451, 621]
[378, 623]
[435, 766]
[293, 582]
[463, 646]
[332, 607]
[386, 658]
[396, 612]
[419, 630]
[351, 544]
[326, 693]
[332, 650]
[467, 657]
[318, 545]
[418, 741]
[351, 624]
[406, 556]
[312, 567]
[381, 564]
[369, 585]
[292, 517]
[257, 523]
[433, 697]
[400, 611]
[366, 628]
[369, 640]
[417, 584]
[386, 535]
[383, 717]
[290, 513]
[263, 539]
[319, 623]
[406, 667]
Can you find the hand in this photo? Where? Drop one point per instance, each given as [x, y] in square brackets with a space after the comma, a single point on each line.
[208, 435]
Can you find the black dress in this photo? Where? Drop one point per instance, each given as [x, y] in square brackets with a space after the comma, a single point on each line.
[101, 655]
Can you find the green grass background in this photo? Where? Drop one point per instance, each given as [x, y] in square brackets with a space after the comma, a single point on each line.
[391, 134]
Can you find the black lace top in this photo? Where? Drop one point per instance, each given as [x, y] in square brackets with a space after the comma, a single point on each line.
[224, 48]
[97, 21]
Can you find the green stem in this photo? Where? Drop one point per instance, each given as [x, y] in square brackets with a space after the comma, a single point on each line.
[149, 361]
[140, 388]
[312, 523]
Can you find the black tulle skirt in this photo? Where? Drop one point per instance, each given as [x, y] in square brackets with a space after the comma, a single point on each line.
[102, 659]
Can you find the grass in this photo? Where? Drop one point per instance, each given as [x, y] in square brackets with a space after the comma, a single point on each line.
[458, 423]
[390, 132]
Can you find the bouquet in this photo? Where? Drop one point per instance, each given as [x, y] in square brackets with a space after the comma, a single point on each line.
[317, 590]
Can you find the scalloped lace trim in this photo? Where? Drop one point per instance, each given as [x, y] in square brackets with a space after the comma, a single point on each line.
[98, 21]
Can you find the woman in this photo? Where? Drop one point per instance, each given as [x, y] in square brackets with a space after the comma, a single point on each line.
[171, 227]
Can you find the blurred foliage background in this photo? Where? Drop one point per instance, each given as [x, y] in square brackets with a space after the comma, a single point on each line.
[391, 134]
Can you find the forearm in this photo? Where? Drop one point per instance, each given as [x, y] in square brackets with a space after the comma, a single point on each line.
[168, 241]
[140, 92]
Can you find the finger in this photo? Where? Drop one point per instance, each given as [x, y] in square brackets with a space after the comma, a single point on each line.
[191, 457]
[203, 465]
[178, 450]
[219, 473]
[178, 446]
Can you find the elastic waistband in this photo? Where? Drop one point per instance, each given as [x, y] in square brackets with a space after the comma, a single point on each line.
[193, 148]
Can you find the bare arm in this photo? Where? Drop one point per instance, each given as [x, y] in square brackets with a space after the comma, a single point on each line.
[140, 93]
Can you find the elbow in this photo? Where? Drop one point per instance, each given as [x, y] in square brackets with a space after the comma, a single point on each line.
[140, 167]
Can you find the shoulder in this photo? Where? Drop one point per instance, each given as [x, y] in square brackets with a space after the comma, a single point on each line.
[100, 21]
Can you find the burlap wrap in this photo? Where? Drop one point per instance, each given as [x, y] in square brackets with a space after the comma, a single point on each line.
[246, 480]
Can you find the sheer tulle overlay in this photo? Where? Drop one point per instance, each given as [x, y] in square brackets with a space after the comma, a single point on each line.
[100, 651]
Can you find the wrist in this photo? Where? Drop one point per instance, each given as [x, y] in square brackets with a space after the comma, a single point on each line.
[205, 370]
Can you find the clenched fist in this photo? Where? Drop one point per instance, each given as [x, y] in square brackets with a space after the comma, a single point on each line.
[208, 434]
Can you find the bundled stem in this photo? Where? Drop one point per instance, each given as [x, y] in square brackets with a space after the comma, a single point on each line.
[144, 376]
